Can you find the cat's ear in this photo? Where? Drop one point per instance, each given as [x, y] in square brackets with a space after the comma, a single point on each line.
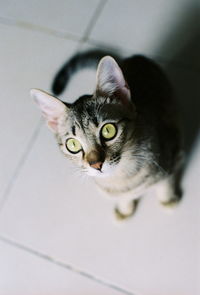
[53, 110]
[111, 81]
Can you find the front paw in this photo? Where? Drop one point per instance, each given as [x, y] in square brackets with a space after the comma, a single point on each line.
[122, 213]
[171, 204]
[121, 216]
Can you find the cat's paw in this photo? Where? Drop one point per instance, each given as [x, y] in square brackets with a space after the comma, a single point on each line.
[125, 213]
[119, 216]
[171, 204]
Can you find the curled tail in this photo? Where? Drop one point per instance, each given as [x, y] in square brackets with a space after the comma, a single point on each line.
[87, 59]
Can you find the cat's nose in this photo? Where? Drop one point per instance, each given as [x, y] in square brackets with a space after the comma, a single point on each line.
[96, 165]
[95, 159]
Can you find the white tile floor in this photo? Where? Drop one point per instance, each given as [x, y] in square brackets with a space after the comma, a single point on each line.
[56, 232]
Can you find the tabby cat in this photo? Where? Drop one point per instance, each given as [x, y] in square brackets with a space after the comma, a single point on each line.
[126, 134]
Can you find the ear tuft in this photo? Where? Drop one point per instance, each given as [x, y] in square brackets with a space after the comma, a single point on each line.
[53, 110]
[110, 80]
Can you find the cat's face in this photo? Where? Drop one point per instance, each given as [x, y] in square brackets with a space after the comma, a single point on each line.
[94, 132]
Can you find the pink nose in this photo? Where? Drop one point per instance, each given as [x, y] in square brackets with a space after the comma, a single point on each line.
[97, 165]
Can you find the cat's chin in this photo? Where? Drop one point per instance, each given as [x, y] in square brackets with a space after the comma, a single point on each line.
[106, 171]
[94, 173]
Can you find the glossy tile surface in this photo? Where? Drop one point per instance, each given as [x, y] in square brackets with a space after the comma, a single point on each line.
[28, 59]
[157, 28]
[70, 17]
[24, 272]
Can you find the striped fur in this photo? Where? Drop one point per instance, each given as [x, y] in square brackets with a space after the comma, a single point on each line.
[137, 98]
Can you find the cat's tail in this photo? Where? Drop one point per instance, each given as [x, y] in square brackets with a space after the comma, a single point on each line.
[81, 60]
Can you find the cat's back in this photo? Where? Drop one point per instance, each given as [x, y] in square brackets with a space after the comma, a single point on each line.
[148, 83]
[155, 104]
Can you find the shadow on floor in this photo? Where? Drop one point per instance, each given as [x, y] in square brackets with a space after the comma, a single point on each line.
[184, 72]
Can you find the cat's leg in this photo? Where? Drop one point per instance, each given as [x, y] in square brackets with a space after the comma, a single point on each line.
[125, 208]
[125, 204]
[169, 192]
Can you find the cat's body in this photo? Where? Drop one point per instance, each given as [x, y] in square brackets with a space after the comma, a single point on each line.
[127, 132]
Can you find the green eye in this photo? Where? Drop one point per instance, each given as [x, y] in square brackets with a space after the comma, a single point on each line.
[108, 131]
[73, 145]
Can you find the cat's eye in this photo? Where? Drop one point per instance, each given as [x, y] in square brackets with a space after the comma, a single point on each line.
[73, 145]
[108, 131]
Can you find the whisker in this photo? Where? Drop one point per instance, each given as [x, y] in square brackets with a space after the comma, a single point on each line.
[150, 161]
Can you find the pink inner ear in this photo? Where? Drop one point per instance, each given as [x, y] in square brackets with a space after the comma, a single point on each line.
[52, 113]
[124, 95]
[51, 107]
[52, 120]
[110, 80]
[53, 124]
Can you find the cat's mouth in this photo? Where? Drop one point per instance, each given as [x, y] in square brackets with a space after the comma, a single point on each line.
[105, 170]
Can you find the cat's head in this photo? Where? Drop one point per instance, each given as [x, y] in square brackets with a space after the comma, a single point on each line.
[95, 131]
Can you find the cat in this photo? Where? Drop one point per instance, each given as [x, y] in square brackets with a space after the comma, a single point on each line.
[126, 135]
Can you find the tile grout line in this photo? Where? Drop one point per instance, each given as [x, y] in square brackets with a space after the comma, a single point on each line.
[85, 38]
[37, 28]
[94, 19]
[65, 266]
[20, 164]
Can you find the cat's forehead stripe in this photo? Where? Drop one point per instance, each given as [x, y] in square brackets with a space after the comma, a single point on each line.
[74, 130]
[85, 113]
